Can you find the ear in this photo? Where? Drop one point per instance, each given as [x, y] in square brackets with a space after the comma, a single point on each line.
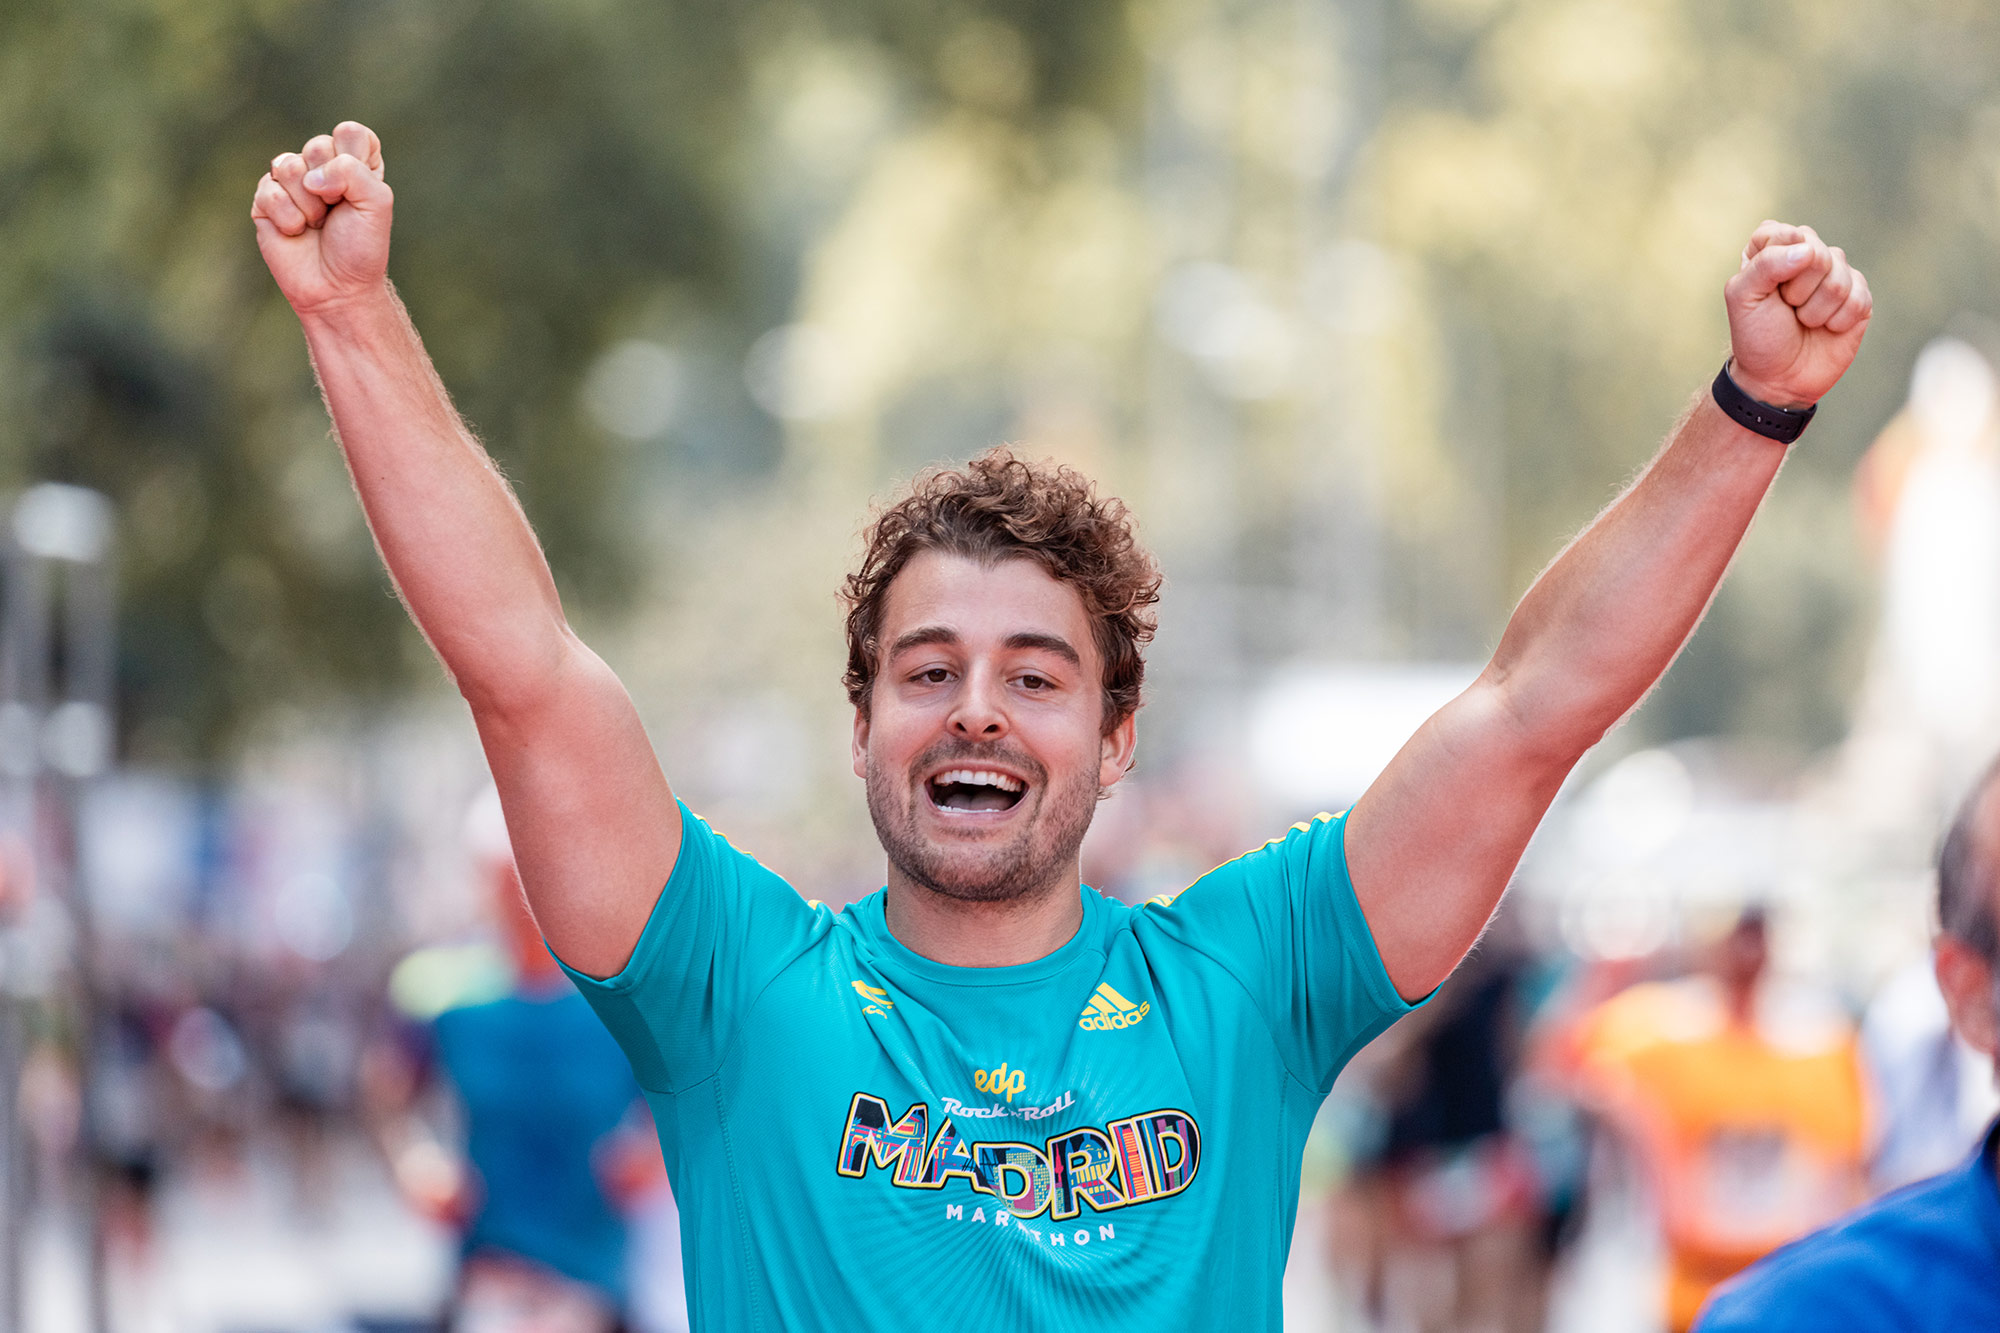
[1115, 756]
[1967, 982]
[860, 756]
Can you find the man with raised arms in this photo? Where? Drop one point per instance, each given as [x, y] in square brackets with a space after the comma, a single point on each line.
[987, 1097]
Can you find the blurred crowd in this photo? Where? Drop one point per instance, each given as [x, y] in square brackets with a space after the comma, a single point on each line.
[1711, 1111]
[316, 1015]
[1691, 1108]
[215, 1082]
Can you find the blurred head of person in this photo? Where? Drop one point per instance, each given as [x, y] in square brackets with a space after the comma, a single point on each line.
[1742, 956]
[1967, 955]
[995, 636]
[500, 885]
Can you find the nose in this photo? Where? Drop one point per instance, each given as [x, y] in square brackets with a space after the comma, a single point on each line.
[979, 712]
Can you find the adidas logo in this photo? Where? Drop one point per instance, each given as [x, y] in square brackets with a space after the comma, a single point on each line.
[1108, 1011]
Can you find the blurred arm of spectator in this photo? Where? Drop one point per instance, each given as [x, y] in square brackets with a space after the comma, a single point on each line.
[594, 825]
[433, 1180]
[17, 878]
[1434, 841]
[1591, 1046]
[628, 1160]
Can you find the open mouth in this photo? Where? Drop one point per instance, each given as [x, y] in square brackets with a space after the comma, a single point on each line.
[975, 790]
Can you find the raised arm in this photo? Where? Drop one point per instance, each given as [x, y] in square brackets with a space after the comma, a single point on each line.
[594, 826]
[1432, 844]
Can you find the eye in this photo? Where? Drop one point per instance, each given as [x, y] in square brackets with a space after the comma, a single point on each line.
[1033, 682]
[934, 676]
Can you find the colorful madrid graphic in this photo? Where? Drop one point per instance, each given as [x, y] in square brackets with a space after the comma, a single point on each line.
[1136, 1160]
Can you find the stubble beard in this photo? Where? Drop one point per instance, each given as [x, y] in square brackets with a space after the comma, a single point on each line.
[1035, 860]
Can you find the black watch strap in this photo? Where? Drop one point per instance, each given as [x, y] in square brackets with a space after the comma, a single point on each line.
[1782, 424]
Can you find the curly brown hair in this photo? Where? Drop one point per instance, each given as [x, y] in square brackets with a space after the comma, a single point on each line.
[1001, 507]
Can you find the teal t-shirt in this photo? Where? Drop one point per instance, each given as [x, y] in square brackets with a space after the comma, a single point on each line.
[1109, 1137]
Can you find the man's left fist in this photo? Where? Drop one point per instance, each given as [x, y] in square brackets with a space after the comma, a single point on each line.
[1797, 310]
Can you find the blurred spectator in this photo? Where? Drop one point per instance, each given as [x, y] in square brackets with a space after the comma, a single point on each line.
[557, 1144]
[1928, 1256]
[312, 1052]
[1743, 1100]
[1447, 1219]
[129, 1119]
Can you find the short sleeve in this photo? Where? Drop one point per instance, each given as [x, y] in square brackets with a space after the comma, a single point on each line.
[1283, 920]
[723, 927]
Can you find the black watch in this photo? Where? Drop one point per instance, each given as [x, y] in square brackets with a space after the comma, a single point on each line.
[1783, 424]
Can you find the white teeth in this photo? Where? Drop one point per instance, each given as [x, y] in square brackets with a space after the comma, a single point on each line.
[979, 777]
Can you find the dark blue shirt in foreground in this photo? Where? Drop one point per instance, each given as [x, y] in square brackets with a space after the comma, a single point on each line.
[1924, 1257]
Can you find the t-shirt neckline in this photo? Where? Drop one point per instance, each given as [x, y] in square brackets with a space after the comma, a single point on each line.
[871, 915]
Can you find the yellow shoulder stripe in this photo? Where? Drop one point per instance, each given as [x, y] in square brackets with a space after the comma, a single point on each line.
[1303, 826]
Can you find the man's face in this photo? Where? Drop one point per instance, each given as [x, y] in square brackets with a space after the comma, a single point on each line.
[983, 745]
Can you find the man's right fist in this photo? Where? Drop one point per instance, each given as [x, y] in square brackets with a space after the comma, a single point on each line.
[322, 217]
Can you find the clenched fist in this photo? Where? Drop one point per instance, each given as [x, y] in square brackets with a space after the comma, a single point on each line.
[322, 217]
[1797, 311]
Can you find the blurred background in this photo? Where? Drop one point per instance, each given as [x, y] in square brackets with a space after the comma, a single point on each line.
[1363, 306]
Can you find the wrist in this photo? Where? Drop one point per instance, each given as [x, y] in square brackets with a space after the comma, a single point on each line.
[1759, 415]
[1769, 394]
[351, 312]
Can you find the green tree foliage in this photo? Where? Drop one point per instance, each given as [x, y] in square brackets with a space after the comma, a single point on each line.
[1577, 176]
[1556, 187]
[151, 357]
[562, 168]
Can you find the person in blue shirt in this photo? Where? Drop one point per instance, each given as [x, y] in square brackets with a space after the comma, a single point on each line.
[986, 1096]
[1926, 1256]
[552, 1149]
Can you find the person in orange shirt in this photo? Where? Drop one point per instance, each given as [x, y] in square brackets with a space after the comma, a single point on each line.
[1745, 1102]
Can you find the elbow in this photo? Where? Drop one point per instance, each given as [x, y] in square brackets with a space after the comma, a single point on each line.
[1549, 725]
[507, 688]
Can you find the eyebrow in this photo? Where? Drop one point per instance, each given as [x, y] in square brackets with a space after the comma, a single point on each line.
[922, 635]
[944, 634]
[1052, 643]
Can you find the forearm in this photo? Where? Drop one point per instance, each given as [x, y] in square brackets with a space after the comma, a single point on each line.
[591, 820]
[1434, 840]
[449, 529]
[1606, 618]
